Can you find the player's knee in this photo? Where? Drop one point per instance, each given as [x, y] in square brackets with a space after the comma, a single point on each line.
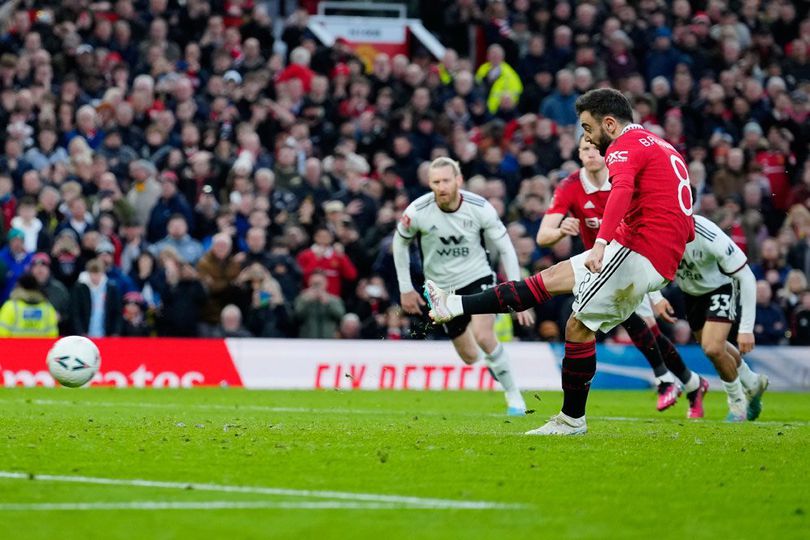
[485, 338]
[558, 278]
[576, 331]
[714, 349]
[468, 356]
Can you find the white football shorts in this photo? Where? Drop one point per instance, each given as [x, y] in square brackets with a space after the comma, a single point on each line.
[603, 301]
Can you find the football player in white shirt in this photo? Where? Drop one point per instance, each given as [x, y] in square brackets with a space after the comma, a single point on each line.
[451, 226]
[711, 273]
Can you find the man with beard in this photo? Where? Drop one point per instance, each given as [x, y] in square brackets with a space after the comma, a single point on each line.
[645, 228]
[450, 226]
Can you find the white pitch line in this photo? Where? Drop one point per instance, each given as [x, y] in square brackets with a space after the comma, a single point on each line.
[201, 505]
[220, 488]
[313, 410]
[212, 407]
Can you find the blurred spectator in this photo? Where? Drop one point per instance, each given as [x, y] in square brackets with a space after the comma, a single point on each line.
[135, 323]
[170, 203]
[218, 270]
[790, 296]
[95, 303]
[105, 252]
[267, 312]
[134, 244]
[14, 259]
[148, 277]
[36, 237]
[181, 299]
[78, 220]
[772, 267]
[327, 257]
[53, 289]
[317, 310]
[145, 190]
[349, 327]
[67, 258]
[800, 330]
[285, 269]
[770, 324]
[230, 325]
[559, 106]
[177, 238]
[27, 313]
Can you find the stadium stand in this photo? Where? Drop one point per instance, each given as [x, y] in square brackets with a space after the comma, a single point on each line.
[235, 177]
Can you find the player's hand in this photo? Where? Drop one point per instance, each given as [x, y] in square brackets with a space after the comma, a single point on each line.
[570, 226]
[525, 318]
[664, 310]
[594, 260]
[745, 342]
[411, 302]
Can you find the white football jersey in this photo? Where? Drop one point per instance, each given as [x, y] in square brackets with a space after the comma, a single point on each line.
[452, 243]
[709, 259]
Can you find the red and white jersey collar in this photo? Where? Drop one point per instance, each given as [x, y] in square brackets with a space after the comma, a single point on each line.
[589, 188]
[628, 127]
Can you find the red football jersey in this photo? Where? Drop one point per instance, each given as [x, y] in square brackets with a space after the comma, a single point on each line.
[658, 223]
[577, 197]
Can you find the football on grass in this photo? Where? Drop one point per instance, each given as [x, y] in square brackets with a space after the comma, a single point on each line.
[73, 360]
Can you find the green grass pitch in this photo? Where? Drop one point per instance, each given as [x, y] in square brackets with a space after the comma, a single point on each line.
[237, 464]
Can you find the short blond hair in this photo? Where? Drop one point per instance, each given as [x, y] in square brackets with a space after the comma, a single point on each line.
[440, 162]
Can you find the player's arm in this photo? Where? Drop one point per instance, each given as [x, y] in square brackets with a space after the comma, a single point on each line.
[410, 300]
[623, 164]
[748, 305]
[733, 262]
[661, 307]
[554, 227]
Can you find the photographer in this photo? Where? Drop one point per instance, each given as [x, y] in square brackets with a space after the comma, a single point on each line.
[262, 301]
[317, 311]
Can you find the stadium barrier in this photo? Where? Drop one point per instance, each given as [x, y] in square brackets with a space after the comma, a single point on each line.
[368, 365]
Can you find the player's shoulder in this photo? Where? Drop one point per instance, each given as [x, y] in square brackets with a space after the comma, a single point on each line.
[706, 230]
[422, 202]
[473, 199]
[570, 184]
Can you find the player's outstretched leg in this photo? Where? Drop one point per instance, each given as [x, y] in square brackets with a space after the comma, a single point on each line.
[503, 297]
[644, 340]
[753, 383]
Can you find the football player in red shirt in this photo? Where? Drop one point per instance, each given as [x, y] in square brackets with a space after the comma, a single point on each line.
[645, 227]
[582, 198]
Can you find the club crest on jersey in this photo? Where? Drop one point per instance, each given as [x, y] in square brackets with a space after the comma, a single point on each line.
[619, 156]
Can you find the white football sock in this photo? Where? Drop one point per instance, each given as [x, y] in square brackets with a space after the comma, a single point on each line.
[454, 305]
[748, 378]
[498, 362]
[692, 384]
[667, 377]
[734, 390]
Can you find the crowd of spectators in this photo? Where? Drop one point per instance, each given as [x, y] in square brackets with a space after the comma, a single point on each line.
[180, 169]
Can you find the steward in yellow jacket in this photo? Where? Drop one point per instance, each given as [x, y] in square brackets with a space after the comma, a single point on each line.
[499, 78]
[27, 313]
